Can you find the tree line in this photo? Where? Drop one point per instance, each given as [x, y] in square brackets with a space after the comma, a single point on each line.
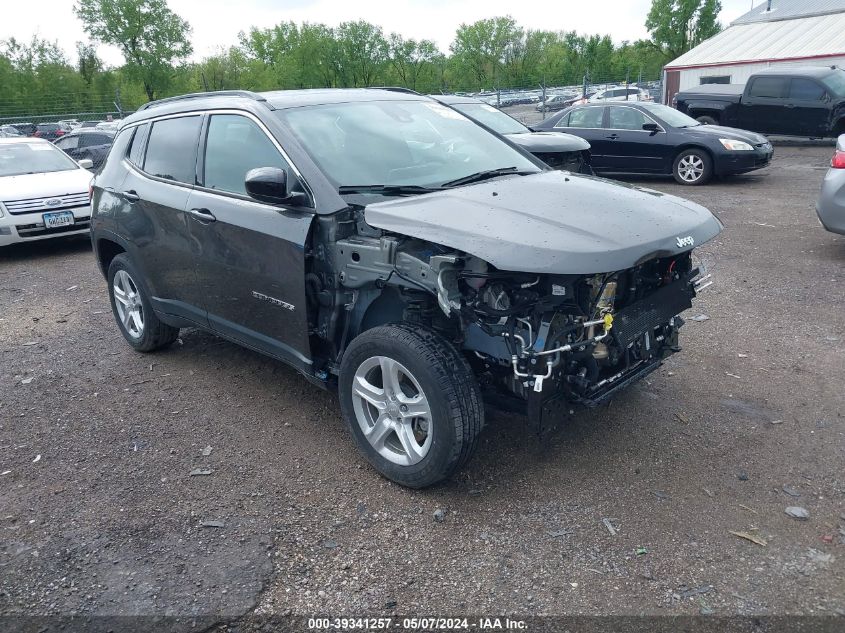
[38, 77]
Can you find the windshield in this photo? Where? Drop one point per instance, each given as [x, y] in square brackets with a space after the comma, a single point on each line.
[32, 158]
[835, 82]
[398, 143]
[495, 119]
[670, 116]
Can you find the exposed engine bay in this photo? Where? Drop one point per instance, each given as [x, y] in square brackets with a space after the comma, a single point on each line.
[541, 339]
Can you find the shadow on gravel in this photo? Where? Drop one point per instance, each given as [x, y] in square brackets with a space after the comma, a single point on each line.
[54, 248]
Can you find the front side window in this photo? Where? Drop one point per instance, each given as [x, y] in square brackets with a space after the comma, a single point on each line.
[806, 90]
[235, 145]
[769, 87]
[172, 149]
[586, 118]
[626, 119]
[420, 143]
[835, 82]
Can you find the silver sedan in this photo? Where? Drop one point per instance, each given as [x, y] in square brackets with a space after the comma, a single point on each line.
[831, 203]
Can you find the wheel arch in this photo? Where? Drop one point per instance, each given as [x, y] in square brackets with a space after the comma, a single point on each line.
[692, 145]
[107, 250]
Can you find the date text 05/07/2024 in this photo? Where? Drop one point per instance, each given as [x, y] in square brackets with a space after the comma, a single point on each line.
[417, 624]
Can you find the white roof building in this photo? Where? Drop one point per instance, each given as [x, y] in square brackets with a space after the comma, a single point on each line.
[774, 33]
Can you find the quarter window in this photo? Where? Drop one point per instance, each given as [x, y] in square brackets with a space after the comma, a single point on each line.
[172, 149]
[136, 148]
[769, 87]
[235, 145]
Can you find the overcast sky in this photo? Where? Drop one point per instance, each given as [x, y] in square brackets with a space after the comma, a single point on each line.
[216, 23]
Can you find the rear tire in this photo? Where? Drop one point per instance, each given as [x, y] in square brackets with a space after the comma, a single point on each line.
[411, 403]
[132, 310]
[693, 167]
[707, 120]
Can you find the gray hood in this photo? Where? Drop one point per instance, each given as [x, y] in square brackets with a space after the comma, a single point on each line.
[549, 142]
[551, 222]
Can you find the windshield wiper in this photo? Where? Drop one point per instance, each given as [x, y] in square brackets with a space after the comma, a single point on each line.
[485, 175]
[387, 189]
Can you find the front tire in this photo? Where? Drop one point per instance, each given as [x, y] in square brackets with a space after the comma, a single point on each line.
[707, 120]
[693, 167]
[132, 310]
[411, 403]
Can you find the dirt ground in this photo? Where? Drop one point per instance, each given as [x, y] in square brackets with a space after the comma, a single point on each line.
[100, 512]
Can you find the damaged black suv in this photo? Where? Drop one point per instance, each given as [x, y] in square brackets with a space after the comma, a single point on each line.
[385, 245]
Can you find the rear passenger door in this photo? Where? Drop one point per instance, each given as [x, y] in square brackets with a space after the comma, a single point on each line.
[154, 194]
[762, 106]
[251, 255]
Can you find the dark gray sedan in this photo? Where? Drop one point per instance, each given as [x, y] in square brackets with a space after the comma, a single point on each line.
[556, 149]
[831, 203]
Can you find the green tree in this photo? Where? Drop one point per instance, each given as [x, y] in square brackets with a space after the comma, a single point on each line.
[362, 51]
[89, 63]
[152, 38]
[411, 60]
[481, 48]
[678, 25]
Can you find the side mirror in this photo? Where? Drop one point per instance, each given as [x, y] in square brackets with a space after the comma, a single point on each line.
[86, 163]
[268, 184]
[651, 127]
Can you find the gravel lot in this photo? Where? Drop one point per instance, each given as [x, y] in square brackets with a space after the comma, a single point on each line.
[100, 513]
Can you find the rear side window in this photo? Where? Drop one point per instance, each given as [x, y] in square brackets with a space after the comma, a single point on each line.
[136, 148]
[234, 145]
[586, 118]
[805, 90]
[769, 87]
[172, 149]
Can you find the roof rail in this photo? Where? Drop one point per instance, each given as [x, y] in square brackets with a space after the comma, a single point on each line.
[247, 94]
[395, 89]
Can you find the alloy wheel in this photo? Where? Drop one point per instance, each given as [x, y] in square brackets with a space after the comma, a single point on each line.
[392, 410]
[691, 168]
[127, 300]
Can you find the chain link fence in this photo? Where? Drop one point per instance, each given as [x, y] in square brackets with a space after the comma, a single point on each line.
[525, 101]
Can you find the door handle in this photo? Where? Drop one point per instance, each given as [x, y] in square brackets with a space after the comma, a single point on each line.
[613, 137]
[131, 195]
[789, 105]
[203, 215]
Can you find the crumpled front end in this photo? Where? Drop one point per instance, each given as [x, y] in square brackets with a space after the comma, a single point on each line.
[556, 340]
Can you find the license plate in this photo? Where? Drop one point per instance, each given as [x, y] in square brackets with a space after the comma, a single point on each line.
[53, 220]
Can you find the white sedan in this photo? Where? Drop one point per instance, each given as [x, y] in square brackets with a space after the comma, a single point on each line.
[43, 192]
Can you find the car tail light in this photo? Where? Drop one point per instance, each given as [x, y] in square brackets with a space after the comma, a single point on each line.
[60, 132]
[838, 160]
[36, 133]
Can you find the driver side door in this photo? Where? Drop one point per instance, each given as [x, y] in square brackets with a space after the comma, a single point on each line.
[251, 255]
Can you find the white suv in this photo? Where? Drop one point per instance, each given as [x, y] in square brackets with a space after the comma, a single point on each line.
[43, 192]
[620, 94]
